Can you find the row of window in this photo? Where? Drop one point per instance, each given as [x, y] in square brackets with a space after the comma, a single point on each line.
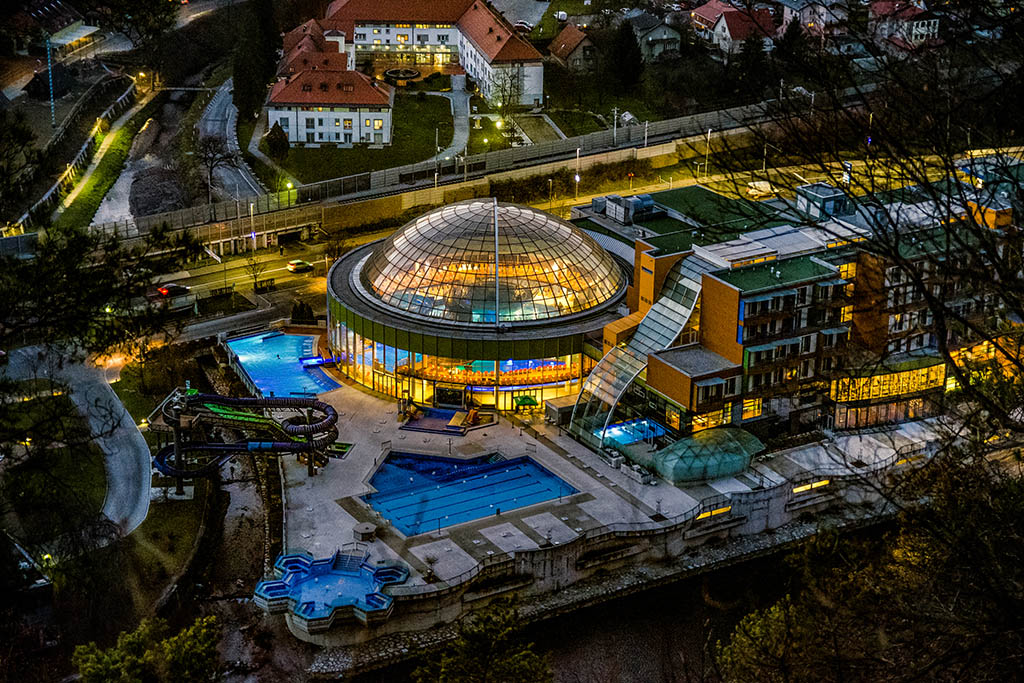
[403, 38]
[346, 124]
[892, 384]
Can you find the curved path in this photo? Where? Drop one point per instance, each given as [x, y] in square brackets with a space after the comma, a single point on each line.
[304, 437]
[127, 461]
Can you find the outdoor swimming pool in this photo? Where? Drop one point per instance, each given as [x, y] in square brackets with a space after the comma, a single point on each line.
[421, 493]
[272, 361]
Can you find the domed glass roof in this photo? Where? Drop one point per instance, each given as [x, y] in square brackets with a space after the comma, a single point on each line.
[442, 266]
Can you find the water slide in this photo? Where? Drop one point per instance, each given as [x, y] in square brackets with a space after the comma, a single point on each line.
[318, 435]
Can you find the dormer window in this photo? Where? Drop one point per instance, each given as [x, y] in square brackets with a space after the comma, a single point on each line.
[306, 87]
[349, 87]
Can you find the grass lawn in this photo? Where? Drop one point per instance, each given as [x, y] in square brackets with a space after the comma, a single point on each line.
[536, 128]
[413, 141]
[93, 190]
[488, 131]
[574, 123]
[62, 482]
[437, 82]
[547, 28]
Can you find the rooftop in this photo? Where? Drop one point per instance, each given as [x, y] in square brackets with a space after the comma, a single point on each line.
[494, 37]
[694, 360]
[568, 39]
[775, 274]
[330, 88]
[710, 208]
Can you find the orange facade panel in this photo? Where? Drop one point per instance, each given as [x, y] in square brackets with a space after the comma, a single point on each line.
[620, 330]
[669, 382]
[719, 319]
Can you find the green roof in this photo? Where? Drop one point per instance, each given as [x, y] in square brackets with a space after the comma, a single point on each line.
[664, 225]
[767, 275]
[710, 208]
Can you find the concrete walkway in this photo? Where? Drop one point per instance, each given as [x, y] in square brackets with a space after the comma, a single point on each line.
[220, 119]
[127, 461]
[254, 149]
[460, 117]
[104, 146]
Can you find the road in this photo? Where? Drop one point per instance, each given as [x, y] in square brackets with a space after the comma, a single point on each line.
[219, 119]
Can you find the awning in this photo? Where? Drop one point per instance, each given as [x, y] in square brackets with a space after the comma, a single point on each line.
[836, 330]
[759, 297]
[832, 283]
[709, 381]
[521, 401]
[72, 35]
[759, 347]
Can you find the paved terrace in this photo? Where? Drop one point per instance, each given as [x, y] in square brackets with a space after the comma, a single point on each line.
[321, 511]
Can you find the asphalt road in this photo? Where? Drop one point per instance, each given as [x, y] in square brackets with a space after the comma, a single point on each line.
[219, 119]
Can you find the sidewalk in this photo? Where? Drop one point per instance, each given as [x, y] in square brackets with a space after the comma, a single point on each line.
[254, 149]
[108, 140]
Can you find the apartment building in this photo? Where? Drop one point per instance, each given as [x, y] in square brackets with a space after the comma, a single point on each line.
[316, 107]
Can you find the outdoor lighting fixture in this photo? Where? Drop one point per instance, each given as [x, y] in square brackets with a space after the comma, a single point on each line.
[289, 185]
[497, 124]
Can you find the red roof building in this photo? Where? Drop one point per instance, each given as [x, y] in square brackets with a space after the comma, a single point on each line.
[573, 49]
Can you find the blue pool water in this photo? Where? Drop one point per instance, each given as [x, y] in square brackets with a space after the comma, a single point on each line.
[420, 493]
[633, 431]
[272, 361]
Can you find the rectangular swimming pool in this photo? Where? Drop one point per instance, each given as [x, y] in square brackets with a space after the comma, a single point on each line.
[272, 361]
[421, 493]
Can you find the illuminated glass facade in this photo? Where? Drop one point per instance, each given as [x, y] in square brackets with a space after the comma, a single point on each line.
[443, 264]
[421, 316]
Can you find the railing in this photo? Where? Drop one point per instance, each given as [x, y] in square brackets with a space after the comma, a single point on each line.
[839, 476]
[81, 159]
[454, 170]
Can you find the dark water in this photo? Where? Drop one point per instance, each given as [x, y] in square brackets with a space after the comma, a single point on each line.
[662, 635]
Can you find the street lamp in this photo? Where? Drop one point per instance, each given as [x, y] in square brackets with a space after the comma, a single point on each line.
[707, 152]
[550, 192]
[577, 176]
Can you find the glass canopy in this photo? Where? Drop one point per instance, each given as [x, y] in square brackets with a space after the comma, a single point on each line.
[442, 266]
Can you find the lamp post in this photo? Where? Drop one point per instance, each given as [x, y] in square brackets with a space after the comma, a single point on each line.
[577, 176]
[707, 153]
[551, 192]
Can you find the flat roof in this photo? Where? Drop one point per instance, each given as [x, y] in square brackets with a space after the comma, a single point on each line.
[694, 360]
[775, 274]
[710, 208]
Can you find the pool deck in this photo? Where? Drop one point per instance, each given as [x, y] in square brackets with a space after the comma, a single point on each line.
[321, 511]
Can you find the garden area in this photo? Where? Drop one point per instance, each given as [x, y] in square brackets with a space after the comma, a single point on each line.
[57, 471]
[414, 118]
[573, 123]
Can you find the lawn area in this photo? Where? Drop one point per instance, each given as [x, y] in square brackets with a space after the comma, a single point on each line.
[62, 482]
[415, 119]
[437, 82]
[536, 128]
[488, 132]
[548, 27]
[574, 123]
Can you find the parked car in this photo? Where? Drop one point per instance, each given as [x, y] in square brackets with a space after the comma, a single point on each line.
[299, 266]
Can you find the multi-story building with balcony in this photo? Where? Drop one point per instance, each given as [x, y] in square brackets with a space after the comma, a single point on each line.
[798, 322]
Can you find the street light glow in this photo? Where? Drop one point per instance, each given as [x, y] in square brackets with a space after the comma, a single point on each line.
[289, 185]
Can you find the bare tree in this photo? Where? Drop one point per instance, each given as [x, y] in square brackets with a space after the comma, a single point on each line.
[506, 92]
[254, 267]
[213, 153]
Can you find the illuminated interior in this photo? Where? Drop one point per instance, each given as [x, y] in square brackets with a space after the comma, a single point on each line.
[442, 266]
[421, 315]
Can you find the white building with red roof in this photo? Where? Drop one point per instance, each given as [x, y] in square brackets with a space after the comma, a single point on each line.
[467, 32]
[320, 106]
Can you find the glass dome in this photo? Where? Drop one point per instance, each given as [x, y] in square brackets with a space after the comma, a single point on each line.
[442, 266]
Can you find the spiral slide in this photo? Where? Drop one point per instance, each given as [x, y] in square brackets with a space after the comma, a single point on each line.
[315, 436]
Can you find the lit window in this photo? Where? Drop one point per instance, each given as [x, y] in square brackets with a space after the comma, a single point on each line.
[848, 271]
[378, 124]
[348, 124]
[337, 122]
[367, 123]
[751, 408]
[846, 314]
[403, 37]
[376, 41]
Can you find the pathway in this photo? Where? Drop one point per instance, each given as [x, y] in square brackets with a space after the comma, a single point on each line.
[127, 461]
[220, 119]
[254, 149]
[460, 116]
[102, 150]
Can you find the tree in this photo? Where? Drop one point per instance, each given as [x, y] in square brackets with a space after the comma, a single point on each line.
[506, 92]
[141, 21]
[751, 67]
[624, 62]
[18, 158]
[489, 648]
[213, 153]
[249, 84]
[277, 143]
[940, 596]
[254, 266]
[147, 654]
[791, 49]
